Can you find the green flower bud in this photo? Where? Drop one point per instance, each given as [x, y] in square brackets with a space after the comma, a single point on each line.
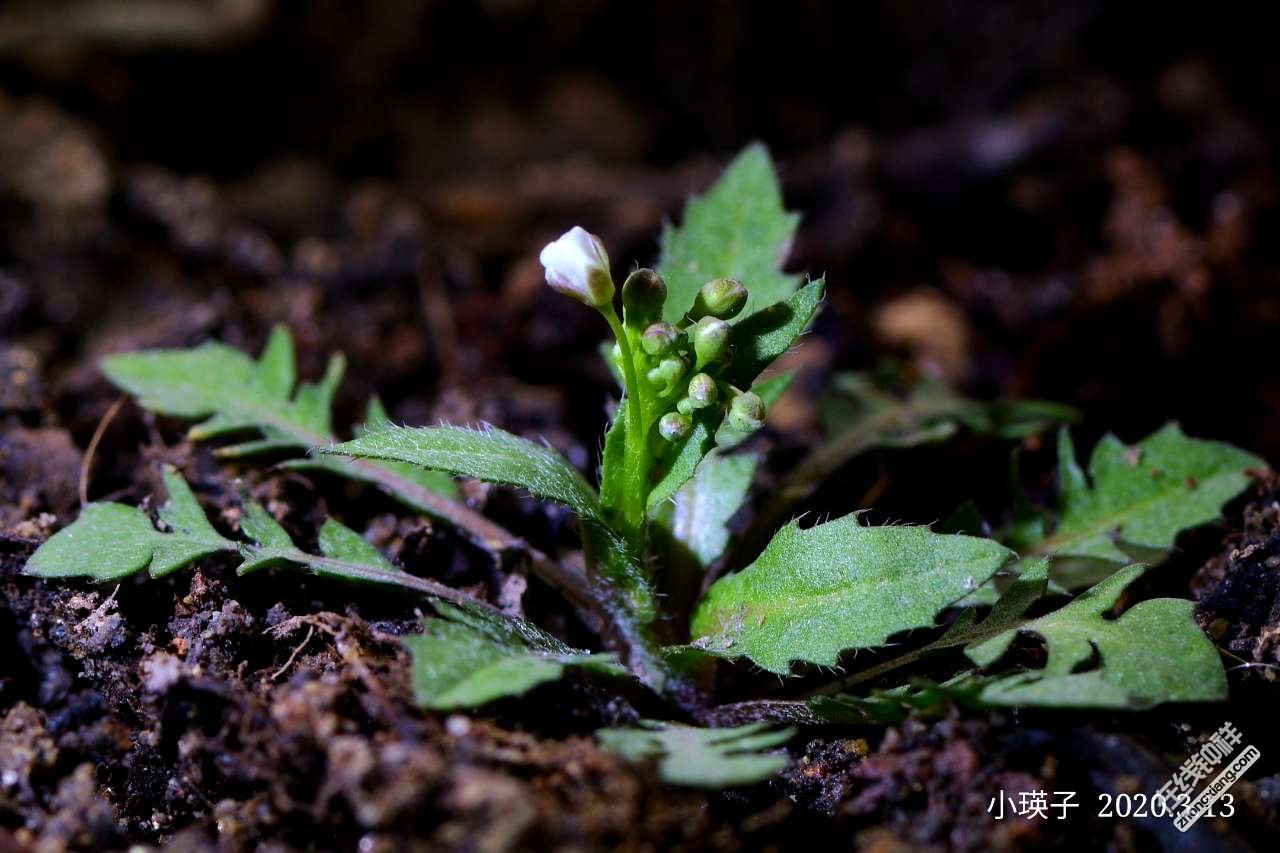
[667, 374]
[643, 294]
[710, 337]
[702, 391]
[685, 406]
[659, 339]
[674, 426]
[748, 409]
[745, 417]
[722, 298]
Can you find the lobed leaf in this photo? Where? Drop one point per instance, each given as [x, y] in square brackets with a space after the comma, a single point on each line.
[231, 393]
[486, 454]
[813, 594]
[738, 229]
[1137, 496]
[1151, 654]
[110, 541]
[465, 660]
[701, 758]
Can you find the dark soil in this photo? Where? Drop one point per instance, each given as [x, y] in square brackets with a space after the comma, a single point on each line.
[1028, 199]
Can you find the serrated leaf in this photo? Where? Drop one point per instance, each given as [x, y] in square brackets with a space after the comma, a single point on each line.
[1151, 654]
[762, 337]
[813, 594]
[375, 419]
[488, 454]
[1138, 496]
[701, 758]
[232, 394]
[111, 541]
[1027, 588]
[738, 229]
[865, 410]
[464, 661]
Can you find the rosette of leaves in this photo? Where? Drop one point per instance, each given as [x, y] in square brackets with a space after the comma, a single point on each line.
[692, 339]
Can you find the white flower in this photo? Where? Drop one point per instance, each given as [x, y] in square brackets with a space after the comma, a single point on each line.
[578, 266]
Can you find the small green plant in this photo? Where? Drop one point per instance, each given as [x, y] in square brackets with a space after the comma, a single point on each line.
[661, 585]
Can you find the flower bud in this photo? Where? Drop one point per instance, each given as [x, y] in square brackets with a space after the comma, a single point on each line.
[578, 266]
[667, 374]
[722, 298]
[745, 417]
[643, 294]
[674, 426]
[702, 391]
[685, 406]
[659, 339]
[710, 338]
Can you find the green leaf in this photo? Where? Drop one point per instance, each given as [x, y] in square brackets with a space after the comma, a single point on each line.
[890, 707]
[230, 390]
[678, 468]
[376, 419]
[762, 337]
[1152, 653]
[738, 229]
[231, 393]
[699, 516]
[816, 593]
[864, 411]
[111, 541]
[1138, 497]
[485, 454]
[465, 660]
[701, 758]
[340, 542]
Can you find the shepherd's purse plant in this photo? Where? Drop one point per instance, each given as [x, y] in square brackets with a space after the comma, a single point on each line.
[692, 341]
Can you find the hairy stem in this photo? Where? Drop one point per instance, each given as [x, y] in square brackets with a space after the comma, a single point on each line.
[637, 455]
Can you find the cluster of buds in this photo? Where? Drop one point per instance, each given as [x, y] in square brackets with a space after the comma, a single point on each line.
[681, 364]
[684, 360]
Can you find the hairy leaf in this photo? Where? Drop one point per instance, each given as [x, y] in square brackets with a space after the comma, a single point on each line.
[1152, 653]
[465, 660]
[864, 411]
[231, 393]
[762, 337]
[486, 454]
[701, 758]
[815, 593]
[1137, 496]
[111, 541]
[738, 229]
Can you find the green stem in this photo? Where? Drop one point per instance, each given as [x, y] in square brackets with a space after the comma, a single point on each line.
[638, 458]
